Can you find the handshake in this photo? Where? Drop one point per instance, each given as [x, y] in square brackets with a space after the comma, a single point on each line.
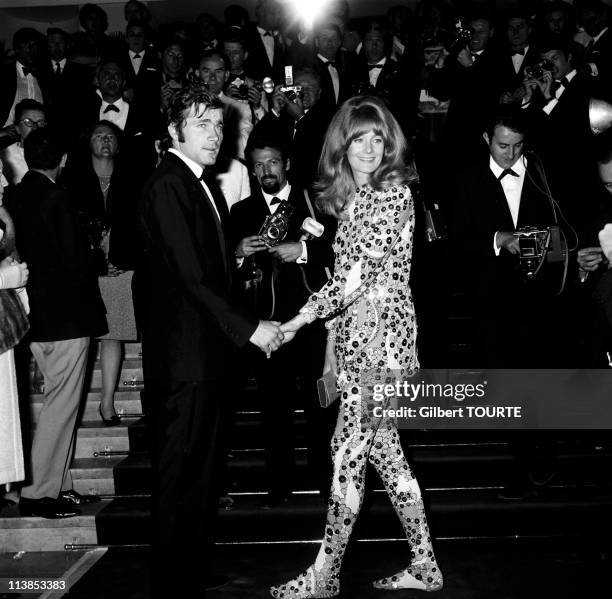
[270, 335]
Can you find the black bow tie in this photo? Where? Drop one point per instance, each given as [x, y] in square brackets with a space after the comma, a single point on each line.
[58, 69]
[266, 33]
[330, 63]
[137, 56]
[521, 52]
[374, 66]
[111, 107]
[563, 82]
[507, 171]
[275, 200]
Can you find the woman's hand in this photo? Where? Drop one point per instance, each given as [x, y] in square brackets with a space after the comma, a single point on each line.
[291, 327]
[13, 274]
[331, 364]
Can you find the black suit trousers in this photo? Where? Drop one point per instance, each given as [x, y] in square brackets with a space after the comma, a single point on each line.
[186, 462]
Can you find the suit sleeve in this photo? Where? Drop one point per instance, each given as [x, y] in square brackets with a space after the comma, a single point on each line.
[166, 226]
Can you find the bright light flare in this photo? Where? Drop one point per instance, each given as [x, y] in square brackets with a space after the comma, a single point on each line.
[308, 10]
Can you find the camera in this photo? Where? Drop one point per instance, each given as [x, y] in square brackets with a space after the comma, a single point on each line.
[536, 245]
[276, 225]
[538, 70]
[241, 87]
[460, 37]
[292, 92]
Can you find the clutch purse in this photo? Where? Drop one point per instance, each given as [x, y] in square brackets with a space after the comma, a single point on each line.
[327, 390]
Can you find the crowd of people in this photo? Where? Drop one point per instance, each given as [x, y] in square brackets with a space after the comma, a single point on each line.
[147, 174]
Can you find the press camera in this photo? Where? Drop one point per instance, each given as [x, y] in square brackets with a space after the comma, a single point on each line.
[276, 225]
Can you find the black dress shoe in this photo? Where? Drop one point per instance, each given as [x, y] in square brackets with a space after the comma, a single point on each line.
[114, 420]
[214, 581]
[73, 498]
[47, 508]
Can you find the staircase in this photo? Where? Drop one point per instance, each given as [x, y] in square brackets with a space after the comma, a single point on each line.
[460, 472]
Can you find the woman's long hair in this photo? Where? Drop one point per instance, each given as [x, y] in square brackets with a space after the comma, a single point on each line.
[356, 117]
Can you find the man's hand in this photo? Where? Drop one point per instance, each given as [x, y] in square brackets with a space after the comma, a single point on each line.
[279, 100]
[268, 336]
[295, 109]
[544, 85]
[464, 58]
[249, 246]
[508, 241]
[605, 239]
[254, 96]
[287, 252]
[529, 86]
[589, 258]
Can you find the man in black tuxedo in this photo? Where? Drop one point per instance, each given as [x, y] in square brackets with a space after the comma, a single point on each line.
[280, 279]
[66, 309]
[191, 334]
[301, 124]
[337, 68]
[382, 75]
[598, 53]
[473, 81]
[141, 66]
[520, 54]
[265, 43]
[557, 105]
[519, 321]
[20, 78]
[65, 84]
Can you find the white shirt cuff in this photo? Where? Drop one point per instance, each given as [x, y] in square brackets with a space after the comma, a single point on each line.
[496, 248]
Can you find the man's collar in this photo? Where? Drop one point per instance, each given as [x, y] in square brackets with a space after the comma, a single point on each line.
[519, 167]
[522, 51]
[194, 167]
[261, 31]
[322, 58]
[20, 68]
[383, 60]
[571, 75]
[132, 54]
[119, 103]
[596, 38]
[62, 62]
[283, 194]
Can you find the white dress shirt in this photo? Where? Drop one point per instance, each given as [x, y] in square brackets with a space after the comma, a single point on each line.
[333, 71]
[136, 62]
[513, 187]
[13, 159]
[554, 101]
[197, 170]
[517, 60]
[283, 194]
[118, 118]
[268, 42]
[55, 63]
[234, 182]
[375, 73]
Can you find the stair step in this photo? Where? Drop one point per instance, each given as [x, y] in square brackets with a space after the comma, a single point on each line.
[450, 513]
[41, 534]
[94, 475]
[95, 437]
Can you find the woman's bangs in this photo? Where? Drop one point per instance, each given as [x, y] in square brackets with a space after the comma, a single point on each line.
[362, 121]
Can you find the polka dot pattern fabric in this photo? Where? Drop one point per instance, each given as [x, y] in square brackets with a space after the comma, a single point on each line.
[371, 318]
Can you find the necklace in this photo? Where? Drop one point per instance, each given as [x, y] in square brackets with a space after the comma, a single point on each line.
[105, 181]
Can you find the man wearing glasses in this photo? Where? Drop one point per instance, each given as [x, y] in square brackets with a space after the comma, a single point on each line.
[29, 115]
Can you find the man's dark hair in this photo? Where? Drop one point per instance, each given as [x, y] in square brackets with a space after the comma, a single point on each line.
[236, 38]
[141, 5]
[27, 104]
[89, 9]
[556, 6]
[173, 41]
[480, 13]
[307, 71]
[182, 102]
[511, 117]
[235, 14]
[43, 149]
[24, 35]
[260, 140]
[212, 53]
[332, 26]
[548, 42]
[58, 31]
[597, 6]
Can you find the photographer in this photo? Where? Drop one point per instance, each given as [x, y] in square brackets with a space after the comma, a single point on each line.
[301, 122]
[520, 323]
[556, 103]
[278, 279]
